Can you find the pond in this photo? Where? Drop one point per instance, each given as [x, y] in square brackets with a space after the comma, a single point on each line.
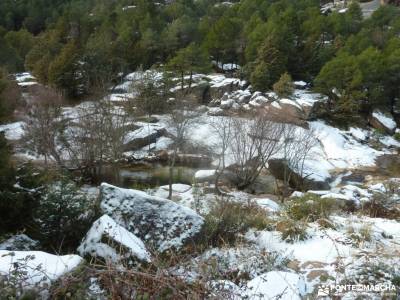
[147, 176]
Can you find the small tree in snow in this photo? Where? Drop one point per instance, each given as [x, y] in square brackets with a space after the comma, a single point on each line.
[284, 87]
[64, 214]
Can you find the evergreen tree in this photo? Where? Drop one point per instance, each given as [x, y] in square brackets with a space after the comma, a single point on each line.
[65, 72]
[189, 60]
[268, 67]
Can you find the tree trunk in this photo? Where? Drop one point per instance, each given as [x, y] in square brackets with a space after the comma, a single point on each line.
[182, 81]
[171, 174]
[190, 79]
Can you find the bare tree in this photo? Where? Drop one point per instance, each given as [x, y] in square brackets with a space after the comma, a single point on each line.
[182, 117]
[45, 125]
[223, 127]
[97, 136]
[297, 144]
[252, 144]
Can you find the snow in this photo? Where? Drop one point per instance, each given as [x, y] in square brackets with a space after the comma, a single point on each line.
[337, 196]
[343, 151]
[203, 174]
[215, 111]
[13, 131]
[227, 66]
[226, 104]
[268, 204]
[220, 80]
[300, 83]
[106, 228]
[23, 77]
[386, 121]
[389, 141]
[276, 105]
[225, 289]
[258, 99]
[359, 134]
[289, 102]
[297, 194]
[322, 246]
[276, 285]
[146, 130]
[307, 98]
[27, 83]
[158, 221]
[177, 187]
[40, 266]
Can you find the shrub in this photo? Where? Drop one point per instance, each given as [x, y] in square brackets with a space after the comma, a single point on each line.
[361, 234]
[396, 136]
[227, 220]
[17, 192]
[325, 223]
[116, 282]
[284, 87]
[384, 204]
[64, 214]
[310, 207]
[13, 285]
[292, 230]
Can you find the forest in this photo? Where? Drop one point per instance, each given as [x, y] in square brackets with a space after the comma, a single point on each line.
[77, 46]
[199, 149]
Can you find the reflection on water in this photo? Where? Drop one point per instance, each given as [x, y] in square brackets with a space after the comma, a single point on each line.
[143, 177]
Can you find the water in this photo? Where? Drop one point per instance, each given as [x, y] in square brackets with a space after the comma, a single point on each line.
[146, 176]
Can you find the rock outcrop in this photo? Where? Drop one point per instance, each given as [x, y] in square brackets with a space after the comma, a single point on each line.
[160, 223]
[382, 121]
[19, 242]
[277, 168]
[145, 135]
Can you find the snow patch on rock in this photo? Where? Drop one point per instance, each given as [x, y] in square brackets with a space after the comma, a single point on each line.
[105, 228]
